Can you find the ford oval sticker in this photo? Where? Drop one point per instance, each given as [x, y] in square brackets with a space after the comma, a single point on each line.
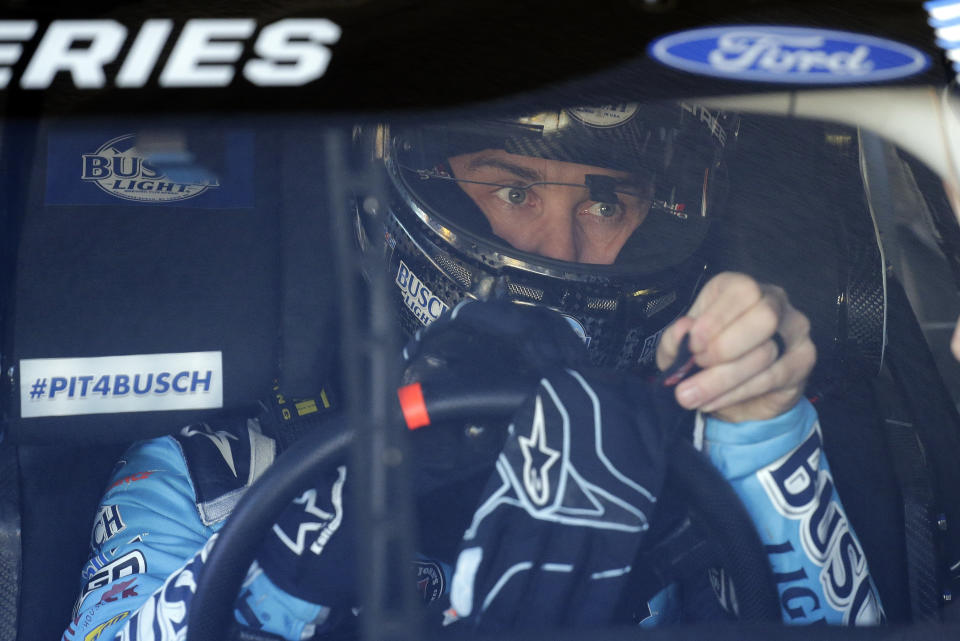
[787, 55]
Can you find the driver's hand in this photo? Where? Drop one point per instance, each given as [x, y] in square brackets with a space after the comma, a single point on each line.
[310, 552]
[556, 532]
[732, 324]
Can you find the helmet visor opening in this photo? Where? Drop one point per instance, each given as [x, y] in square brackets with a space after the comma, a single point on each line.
[619, 188]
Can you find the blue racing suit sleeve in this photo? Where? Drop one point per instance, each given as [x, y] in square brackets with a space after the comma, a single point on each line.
[148, 545]
[778, 469]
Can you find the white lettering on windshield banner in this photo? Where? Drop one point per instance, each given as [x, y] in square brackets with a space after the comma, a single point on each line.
[207, 52]
[111, 384]
[794, 55]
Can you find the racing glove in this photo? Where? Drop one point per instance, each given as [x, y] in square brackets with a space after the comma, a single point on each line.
[560, 521]
[493, 339]
[475, 346]
[310, 553]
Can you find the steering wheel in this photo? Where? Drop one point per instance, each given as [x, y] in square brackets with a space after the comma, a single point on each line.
[714, 508]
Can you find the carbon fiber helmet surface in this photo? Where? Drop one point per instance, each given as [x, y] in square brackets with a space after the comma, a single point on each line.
[440, 246]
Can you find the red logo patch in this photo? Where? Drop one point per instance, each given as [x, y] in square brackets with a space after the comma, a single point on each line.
[133, 478]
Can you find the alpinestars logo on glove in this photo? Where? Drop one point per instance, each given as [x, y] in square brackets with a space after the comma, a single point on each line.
[618, 502]
[326, 523]
[537, 458]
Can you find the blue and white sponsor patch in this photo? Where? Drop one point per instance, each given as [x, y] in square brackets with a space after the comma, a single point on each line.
[431, 580]
[129, 564]
[417, 296]
[795, 55]
[110, 384]
[823, 549]
[112, 168]
[107, 524]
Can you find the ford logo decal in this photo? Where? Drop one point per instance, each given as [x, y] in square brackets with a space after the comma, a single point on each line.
[787, 55]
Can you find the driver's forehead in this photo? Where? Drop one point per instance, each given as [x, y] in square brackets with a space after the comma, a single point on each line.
[531, 169]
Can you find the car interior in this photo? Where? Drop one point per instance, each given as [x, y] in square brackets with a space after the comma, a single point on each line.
[859, 231]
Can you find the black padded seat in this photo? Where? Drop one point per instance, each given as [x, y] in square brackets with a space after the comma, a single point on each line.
[100, 275]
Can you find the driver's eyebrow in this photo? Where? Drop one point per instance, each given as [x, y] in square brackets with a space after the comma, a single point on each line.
[524, 173]
[626, 185]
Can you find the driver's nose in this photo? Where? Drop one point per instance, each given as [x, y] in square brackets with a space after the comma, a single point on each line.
[555, 239]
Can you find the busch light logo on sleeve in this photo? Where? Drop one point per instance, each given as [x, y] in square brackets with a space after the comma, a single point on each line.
[119, 169]
[787, 55]
[800, 487]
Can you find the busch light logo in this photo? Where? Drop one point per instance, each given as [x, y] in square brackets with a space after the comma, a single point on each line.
[787, 55]
[120, 170]
[417, 297]
[801, 489]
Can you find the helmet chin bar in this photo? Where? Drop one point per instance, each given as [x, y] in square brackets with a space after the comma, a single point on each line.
[619, 318]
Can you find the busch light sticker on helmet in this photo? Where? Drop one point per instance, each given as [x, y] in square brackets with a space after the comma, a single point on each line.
[417, 297]
[210, 170]
[129, 383]
[787, 55]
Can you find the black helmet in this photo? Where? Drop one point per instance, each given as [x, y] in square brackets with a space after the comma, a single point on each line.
[440, 240]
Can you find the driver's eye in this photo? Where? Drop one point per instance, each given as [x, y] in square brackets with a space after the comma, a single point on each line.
[604, 210]
[512, 195]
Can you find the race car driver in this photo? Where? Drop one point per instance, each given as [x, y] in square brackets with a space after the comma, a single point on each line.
[599, 215]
